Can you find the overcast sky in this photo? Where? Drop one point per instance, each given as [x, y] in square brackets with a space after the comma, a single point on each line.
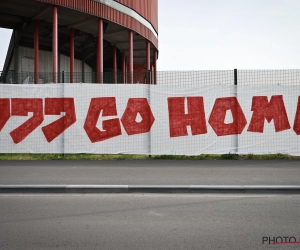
[223, 34]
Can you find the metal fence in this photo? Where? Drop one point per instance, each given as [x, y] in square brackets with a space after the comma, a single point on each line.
[12, 77]
[177, 78]
[187, 112]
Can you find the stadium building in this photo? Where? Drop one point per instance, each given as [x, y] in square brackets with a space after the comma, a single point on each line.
[89, 41]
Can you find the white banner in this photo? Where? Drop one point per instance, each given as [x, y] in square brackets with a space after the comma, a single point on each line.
[149, 119]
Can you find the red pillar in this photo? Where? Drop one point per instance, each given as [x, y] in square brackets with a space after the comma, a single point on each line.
[154, 66]
[100, 52]
[123, 67]
[55, 43]
[36, 51]
[148, 62]
[72, 55]
[152, 75]
[130, 62]
[115, 63]
[126, 70]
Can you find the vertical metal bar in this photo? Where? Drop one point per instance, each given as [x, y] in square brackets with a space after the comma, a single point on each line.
[237, 136]
[36, 51]
[17, 77]
[54, 43]
[235, 76]
[58, 71]
[100, 52]
[115, 63]
[148, 61]
[154, 66]
[72, 55]
[63, 76]
[123, 67]
[82, 70]
[130, 66]
[15, 58]
[126, 70]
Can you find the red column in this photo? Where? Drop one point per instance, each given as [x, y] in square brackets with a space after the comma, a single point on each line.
[152, 75]
[126, 70]
[123, 67]
[55, 43]
[100, 52]
[147, 62]
[130, 50]
[154, 66]
[72, 55]
[36, 51]
[115, 63]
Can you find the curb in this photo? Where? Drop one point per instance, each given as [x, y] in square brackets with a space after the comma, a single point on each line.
[178, 189]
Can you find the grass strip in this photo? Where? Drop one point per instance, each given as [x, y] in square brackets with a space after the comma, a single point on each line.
[228, 156]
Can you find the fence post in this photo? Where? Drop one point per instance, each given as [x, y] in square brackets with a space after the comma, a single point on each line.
[235, 77]
[236, 94]
[148, 76]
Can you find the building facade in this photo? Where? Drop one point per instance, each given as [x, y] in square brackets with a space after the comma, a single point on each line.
[81, 41]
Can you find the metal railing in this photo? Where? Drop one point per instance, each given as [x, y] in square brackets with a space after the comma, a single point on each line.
[12, 77]
[172, 78]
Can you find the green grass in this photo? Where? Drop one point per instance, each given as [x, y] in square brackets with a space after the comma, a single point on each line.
[229, 156]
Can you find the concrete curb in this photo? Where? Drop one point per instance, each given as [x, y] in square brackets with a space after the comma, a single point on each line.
[179, 189]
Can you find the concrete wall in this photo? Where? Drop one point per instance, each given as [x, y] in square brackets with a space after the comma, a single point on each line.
[45, 61]
[26, 63]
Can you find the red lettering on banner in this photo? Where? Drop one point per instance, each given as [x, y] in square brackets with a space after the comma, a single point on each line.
[134, 107]
[297, 119]
[111, 128]
[273, 110]
[21, 107]
[54, 106]
[178, 120]
[218, 114]
[4, 111]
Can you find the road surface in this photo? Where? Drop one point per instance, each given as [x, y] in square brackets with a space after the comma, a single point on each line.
[153, 221]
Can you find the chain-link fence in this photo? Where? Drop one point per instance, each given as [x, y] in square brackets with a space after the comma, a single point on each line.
[185, 112]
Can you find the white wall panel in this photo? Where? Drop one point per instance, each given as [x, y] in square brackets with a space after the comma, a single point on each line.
[279, 133]
[45, 61]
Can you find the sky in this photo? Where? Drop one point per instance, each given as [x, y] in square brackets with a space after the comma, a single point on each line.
[5, 35]
[222, 34]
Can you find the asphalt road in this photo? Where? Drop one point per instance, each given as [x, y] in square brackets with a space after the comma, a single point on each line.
[151, 172]
[147, 221]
